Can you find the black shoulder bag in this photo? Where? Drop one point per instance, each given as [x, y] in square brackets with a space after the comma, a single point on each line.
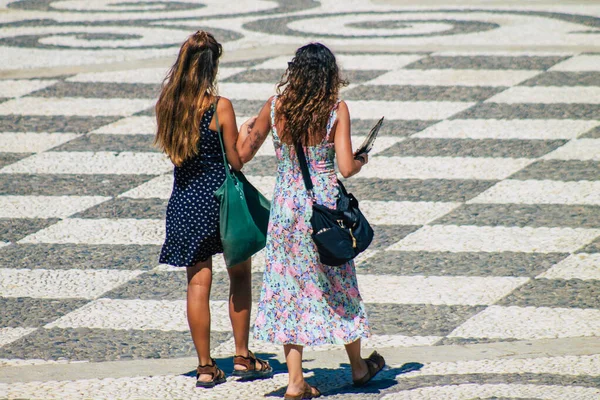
[341, 233]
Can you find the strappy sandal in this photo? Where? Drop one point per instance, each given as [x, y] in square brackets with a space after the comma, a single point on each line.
[218, 376]
[375, 363]
[250, 373]
[306, 394]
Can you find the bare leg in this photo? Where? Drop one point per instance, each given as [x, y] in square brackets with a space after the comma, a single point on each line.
[240, 302]
[198, 310]
[358, 365]
[293, 359]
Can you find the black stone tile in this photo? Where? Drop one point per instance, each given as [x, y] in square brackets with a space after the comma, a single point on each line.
[513, 148]
[560, 170]
[244, 63]
[487, 62]
[592, 134]
[560, 78]
[390, 127]
[575, 293]
[127, 208]
[257, 76]
[28, 312]
[458, 264]
[421, 93]
[104, 344]
[79, 256]
[262, 166]
[68, 184]
[100, 90]
[118, 143]
[417, 320]
[387, 235]
[172, 285]
[360, 76]
[461, 341]
[593, 247]
[3, 99]
[13, 229]
[532, 215]
[247, 107]
[11, 158]
[149, 112]
[57, 123]
[530, 111]
[416, 189]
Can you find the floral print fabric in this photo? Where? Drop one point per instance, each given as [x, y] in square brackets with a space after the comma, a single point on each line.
[303, 301]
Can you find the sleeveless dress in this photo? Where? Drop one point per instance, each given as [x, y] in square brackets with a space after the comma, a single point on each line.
[193, 211]
[302, 301]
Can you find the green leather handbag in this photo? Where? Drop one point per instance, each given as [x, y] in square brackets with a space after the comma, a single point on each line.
[244, 214]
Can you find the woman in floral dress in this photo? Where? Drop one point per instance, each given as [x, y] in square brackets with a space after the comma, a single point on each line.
[303, 302]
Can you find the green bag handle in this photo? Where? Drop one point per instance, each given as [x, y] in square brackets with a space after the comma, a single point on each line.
[225, 163]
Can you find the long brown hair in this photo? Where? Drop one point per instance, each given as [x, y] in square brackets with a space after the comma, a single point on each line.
[187, 92]
[308, 91]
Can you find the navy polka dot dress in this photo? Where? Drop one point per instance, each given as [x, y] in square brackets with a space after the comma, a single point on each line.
[193, 211]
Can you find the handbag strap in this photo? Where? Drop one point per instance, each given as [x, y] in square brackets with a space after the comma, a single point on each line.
[227, 171]
[304, 168]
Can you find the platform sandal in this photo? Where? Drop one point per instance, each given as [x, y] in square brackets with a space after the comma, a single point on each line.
[375, 364]
[251, 373]
[307, 393]
[218, 376]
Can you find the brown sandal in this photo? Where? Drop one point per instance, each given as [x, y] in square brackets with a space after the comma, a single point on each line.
[375, 363]
[250, 373]
[218, 376]
[306, 394]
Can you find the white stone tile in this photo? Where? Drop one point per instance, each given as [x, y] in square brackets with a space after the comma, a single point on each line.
[579, 149]
[53, 284]
[9, 335]
[404, 212]
[14, 142]
[494, 239]
[502, 53]
[101, 231]
[548, 95]
[375, 62]
[102, 162]
[453, 77]
[442, 167]
[436, 290]
[2, 244]
[280, 62]
[579, 63]
[159, 188]
[141, 75]
[576, 266]
[405, 110]
[502, 390]
[541, 192]
[164, 315]
[46, 206]
[226, 72]
[530, 323]
[258, 264]
[381, 143]
[564, 365]
[247, 91]
[130, 126]
[22, 87]
[74, 106]
[547, 129]
[15, 362]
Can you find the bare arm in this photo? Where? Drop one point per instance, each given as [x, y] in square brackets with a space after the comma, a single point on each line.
[229, 130]
[343, 144]
[254, 132]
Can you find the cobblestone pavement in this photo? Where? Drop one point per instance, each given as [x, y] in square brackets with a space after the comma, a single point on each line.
[484, 189]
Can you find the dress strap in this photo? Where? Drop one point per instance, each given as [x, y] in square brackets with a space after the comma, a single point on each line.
[273, 128]
[331, 122]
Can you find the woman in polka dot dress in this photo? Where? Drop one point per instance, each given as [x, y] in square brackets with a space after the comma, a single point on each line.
[187, 133]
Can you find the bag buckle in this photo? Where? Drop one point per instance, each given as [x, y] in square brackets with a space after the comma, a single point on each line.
[353, 238]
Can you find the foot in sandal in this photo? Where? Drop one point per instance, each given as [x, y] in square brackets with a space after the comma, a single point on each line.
[217, 375]
[251, 367]
[309, 392]
[375, 364]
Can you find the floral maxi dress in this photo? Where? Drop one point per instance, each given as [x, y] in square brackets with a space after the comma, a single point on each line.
[302, 301]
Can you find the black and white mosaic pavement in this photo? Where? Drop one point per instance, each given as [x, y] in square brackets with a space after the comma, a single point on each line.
[483, 188]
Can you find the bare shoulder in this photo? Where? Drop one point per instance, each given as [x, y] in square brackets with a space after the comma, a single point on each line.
[224, 104]
[342, 107]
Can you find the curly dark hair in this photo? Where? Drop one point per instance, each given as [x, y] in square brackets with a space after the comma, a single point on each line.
[308, 91]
